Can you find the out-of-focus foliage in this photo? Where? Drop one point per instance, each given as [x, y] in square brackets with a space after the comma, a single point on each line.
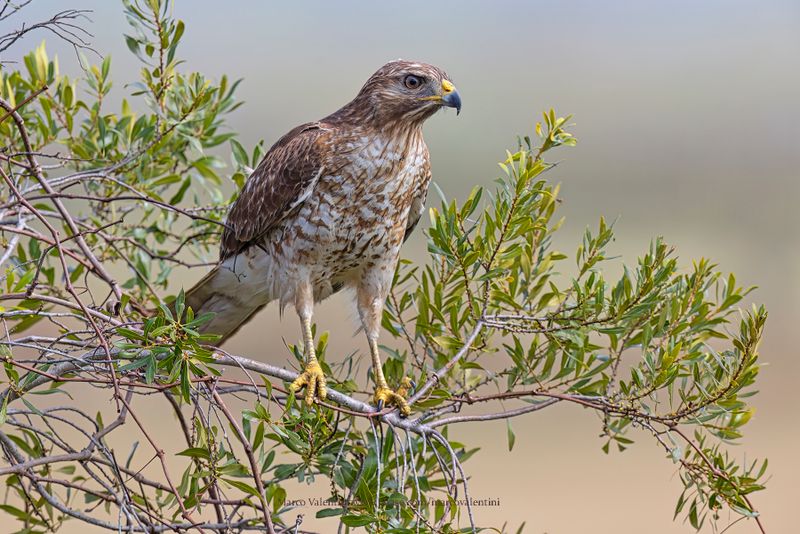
[496, 315]
[139, 163]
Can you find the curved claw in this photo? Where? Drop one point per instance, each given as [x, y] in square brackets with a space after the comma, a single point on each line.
[386, 397]
[406, 385]
[313, 379]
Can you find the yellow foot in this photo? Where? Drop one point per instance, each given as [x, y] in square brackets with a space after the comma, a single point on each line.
[386, 397]
[313, 379]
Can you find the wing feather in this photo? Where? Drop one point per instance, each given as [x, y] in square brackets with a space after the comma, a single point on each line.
[283, 180]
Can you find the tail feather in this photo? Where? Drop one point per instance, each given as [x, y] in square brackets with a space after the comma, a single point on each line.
[229, 297]
[201, 292]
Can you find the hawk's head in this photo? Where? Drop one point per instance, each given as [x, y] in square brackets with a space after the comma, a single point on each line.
[406, 91]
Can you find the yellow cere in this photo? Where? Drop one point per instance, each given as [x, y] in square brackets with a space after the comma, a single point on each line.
[447, 86]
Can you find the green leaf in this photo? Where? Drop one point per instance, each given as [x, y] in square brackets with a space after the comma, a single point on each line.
[510, 434]
[3, 410]
[242, 486]
[195, 452]
[329, 512]
[357, 520]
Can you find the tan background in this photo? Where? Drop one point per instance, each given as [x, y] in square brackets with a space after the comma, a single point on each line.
[689, 126]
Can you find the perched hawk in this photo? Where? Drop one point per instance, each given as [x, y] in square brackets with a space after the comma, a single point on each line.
[329, 207]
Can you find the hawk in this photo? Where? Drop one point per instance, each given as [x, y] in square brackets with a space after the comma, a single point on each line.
[328, 208]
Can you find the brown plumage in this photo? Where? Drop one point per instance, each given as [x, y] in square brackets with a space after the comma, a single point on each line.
[328, 207]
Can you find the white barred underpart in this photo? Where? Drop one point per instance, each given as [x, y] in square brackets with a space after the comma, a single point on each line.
[371, 203]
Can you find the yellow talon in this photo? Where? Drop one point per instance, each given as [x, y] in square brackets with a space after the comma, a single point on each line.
[386, 397]
[313, 379]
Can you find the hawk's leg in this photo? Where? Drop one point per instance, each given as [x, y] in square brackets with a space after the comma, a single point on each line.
[370, 307]
[312, 376]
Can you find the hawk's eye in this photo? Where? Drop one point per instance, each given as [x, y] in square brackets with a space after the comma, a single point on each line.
[412, 82]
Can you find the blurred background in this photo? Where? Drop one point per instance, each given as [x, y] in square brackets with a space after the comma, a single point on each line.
[688, 122]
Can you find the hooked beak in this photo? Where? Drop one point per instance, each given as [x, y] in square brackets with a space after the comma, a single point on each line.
[450, 96]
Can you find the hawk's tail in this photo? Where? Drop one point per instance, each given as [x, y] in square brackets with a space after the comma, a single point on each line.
[231, 301]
